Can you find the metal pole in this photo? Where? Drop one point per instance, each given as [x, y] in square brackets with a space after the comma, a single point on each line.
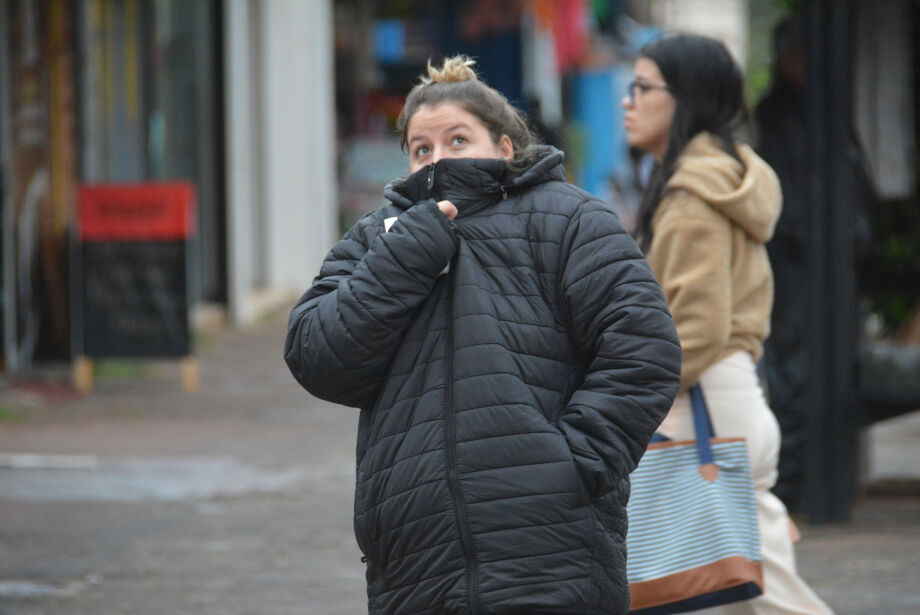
[842, 422]
[831, 458]
[10, 350]
[81, 88]
[815, 95]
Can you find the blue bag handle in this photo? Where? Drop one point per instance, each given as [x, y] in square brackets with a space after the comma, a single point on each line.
[701, 425]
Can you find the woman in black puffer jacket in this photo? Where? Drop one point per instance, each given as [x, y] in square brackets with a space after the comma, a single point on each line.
[511, 354]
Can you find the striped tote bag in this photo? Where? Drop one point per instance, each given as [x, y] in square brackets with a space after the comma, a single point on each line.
[693, 539]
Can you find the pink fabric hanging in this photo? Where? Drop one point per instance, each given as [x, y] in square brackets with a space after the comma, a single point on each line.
[570, 26]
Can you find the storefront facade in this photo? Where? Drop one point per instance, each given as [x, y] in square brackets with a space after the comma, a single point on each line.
[230, 95]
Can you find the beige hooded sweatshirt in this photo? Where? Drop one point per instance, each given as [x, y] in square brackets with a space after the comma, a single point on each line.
[708, 252]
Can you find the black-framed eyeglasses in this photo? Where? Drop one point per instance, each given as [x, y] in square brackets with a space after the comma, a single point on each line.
[644, 87]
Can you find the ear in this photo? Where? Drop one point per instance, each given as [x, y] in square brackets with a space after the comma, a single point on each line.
[506, 148]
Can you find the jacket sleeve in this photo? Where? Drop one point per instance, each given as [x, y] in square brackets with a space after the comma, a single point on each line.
[621, 325]
[345, 329]
[691, 256]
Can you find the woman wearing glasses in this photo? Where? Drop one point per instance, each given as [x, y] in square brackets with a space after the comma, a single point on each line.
[710, 205]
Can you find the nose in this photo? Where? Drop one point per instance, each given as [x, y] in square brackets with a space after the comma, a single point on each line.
[436, 154]
[627, 102]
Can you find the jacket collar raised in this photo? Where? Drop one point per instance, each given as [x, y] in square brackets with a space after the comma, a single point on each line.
[472, 184]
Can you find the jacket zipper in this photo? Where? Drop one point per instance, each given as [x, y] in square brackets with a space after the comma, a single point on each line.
[450, 436]
[453, 480]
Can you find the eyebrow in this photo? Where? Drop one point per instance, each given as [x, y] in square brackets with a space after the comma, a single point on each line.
[424, 135]
[456, 126]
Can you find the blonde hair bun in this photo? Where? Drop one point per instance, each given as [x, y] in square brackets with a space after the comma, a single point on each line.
[454, 69]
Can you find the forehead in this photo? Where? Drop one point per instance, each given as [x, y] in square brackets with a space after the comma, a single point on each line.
[440, 117]
[647, 70]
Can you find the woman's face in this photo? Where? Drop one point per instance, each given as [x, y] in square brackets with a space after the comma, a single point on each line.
[649, 110]
[447, 130]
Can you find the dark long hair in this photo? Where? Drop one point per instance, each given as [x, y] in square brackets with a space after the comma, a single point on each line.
[708, 86]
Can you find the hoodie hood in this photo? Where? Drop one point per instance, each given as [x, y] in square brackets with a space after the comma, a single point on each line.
[747, 194]
[473, 183]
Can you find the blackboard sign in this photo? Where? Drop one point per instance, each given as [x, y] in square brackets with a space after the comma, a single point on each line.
[131, 283]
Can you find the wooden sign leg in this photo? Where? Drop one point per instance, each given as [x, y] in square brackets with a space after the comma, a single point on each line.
[190, 374]
[83, 375]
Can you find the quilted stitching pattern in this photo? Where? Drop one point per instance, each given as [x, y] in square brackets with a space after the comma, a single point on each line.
[563, 361]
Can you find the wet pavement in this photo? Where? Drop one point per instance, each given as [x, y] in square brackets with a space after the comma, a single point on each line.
[129, 479]
[142, 499]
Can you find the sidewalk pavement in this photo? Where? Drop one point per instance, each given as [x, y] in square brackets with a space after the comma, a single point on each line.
[142, 499]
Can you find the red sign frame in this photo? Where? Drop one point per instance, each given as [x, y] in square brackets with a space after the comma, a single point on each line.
[137, 212]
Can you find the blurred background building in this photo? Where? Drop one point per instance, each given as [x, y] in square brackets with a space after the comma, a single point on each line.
[281, 113]
[235, 96]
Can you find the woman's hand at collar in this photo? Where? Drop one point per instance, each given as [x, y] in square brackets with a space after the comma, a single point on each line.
[448, 209]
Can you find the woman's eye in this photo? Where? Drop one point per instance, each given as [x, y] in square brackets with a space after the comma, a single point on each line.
[642, 87]
[459, 140]
[421, 151]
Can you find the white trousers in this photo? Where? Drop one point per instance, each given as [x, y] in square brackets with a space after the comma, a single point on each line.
[737, 408]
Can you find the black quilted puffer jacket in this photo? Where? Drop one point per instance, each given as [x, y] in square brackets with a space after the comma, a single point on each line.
[511, 366]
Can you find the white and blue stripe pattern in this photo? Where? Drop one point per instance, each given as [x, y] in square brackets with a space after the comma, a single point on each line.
[712, 521]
